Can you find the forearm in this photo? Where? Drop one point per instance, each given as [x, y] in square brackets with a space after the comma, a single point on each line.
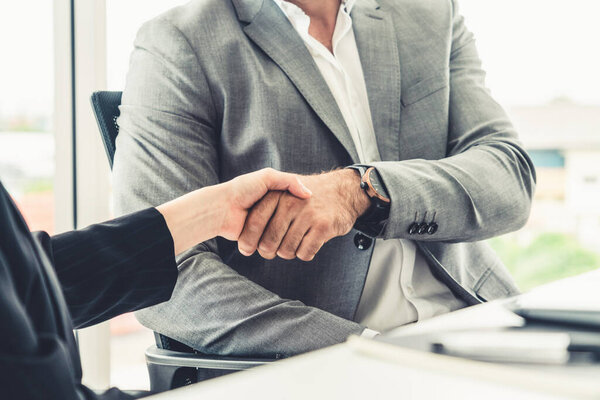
[483, 192]
[484, 185]
[195, 217]
[130, 258]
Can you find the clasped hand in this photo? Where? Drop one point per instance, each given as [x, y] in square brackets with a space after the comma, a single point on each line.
[275, 212]
[285, 225]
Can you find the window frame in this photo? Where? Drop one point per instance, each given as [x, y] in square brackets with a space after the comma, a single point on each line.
[82, 178]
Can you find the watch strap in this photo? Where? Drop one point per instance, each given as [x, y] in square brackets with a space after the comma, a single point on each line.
[373, 221]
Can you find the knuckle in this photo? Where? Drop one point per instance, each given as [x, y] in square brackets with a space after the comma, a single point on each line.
[307, 254]
[266, 255]
[244, 250]
[267, 245]
[286, 255]
[303, 257]
[266, 172]
[243, 243]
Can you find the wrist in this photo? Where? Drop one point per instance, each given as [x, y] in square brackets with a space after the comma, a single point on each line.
[192, 218]
[225, 203]
[359, 201]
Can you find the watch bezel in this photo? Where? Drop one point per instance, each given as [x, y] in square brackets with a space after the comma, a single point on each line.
[371, 191]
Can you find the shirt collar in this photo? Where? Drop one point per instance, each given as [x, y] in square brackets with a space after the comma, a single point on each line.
[290, 8]
[349, 4]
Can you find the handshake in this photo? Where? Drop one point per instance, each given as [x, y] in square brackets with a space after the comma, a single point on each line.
[272, 212]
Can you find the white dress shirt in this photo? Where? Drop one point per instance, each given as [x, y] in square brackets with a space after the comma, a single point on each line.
[399, 288]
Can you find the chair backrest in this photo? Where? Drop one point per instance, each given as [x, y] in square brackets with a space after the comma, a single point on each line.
[106, 109]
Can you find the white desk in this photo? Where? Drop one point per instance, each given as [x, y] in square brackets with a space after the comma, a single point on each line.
[366, 369]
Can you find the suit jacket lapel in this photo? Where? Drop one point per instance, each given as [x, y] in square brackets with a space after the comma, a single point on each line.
[378, 48]
[272, 32]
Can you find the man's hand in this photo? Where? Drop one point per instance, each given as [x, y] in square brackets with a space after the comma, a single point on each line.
[243, 192]
[284, 225]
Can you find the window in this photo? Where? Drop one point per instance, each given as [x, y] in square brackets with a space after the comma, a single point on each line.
[129, 339]
[26, 106]
[124, 18]
[540, 67]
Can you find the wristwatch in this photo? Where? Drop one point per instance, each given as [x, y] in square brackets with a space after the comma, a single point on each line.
[373, 220]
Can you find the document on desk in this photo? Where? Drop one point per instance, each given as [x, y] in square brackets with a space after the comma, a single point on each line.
[485, 316]
[577, 303]
[506, 346]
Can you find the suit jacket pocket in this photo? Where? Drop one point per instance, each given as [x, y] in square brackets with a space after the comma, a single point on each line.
[423, 88]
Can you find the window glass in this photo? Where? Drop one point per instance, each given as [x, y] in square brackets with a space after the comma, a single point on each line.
[129, 339]
[26, 107]
[542, 66]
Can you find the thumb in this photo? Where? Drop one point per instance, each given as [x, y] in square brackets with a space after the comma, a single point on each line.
[298, 189]
[277, 180]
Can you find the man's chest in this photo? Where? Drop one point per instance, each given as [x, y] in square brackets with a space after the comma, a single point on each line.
[276, 103]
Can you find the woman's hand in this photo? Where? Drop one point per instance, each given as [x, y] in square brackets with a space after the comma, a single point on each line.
[246, 190]
[221, 210]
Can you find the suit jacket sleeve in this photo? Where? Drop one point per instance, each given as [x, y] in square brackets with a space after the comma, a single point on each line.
[485, 185]
[38, 356]
[168, 146]
[115, 267]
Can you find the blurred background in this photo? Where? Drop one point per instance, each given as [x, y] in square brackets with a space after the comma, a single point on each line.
[543, 66]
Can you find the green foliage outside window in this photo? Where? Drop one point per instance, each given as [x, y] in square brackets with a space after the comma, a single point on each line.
[549, 257]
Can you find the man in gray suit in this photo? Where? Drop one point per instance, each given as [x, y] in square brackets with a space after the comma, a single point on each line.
[391, 88]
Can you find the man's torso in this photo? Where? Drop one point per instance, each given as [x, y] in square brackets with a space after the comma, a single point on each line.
[272, 108]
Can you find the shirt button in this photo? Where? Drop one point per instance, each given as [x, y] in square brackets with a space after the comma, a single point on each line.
[410, 291]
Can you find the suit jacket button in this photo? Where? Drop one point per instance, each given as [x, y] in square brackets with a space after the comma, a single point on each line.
[422, 228]
[433, 227]
[413, 228]
[362, 242]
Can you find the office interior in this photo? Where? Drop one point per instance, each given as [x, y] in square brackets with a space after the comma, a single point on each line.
[542, 66]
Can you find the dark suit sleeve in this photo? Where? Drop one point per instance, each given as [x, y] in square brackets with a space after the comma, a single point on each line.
[115, 267]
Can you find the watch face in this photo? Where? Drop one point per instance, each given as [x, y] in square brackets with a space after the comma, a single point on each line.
[376, 183]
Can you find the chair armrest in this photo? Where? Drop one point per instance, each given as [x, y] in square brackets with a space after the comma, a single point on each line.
[158, 356]
[138, 394]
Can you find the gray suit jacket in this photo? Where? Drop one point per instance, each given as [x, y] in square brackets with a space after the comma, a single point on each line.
[218, 88]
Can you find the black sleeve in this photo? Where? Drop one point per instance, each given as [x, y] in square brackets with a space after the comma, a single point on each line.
[115, 267]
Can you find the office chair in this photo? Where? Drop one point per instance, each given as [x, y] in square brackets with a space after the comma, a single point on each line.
[171, 364]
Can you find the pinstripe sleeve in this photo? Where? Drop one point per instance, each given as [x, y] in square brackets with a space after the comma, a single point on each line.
[115, 267]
